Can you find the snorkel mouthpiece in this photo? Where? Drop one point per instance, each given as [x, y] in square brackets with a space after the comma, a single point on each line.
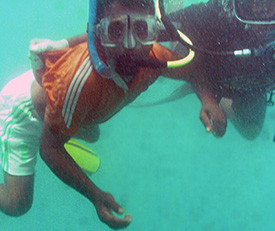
[125, 65]
[129, 65]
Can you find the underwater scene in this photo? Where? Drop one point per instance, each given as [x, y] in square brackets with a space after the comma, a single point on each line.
[156, 157]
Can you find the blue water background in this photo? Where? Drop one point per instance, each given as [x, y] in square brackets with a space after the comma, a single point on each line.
[158, 162]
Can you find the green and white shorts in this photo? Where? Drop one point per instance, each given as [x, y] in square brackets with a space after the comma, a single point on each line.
[20, 127]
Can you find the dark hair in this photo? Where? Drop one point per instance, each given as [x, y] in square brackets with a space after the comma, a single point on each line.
[104, 6]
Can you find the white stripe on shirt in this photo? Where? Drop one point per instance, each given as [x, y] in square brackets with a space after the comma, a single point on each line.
[74, 91]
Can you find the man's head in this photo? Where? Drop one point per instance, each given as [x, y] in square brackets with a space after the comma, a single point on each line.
[255, 11]
[126, 29]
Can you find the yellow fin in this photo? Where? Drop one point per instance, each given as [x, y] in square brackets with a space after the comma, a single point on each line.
[83, 156]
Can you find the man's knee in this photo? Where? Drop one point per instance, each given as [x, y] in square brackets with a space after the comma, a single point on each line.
[250, 132]
[16, 206]
[249, 115]
[16, 195]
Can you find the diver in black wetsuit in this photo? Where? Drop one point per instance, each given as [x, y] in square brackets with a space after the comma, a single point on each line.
[231, 84]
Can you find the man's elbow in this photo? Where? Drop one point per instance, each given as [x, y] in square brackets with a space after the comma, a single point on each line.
[43, 151]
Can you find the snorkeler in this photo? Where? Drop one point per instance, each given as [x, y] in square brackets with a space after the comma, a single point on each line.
[77, 89]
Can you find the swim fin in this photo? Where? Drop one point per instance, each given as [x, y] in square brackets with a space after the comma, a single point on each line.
[83, 156]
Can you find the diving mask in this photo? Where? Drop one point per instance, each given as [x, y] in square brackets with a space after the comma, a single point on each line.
[255, 11]
[128, 30]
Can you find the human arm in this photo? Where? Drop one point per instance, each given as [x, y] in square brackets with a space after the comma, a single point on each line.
[39, 46]
[63, 166]
[212, 114]
[199, 22]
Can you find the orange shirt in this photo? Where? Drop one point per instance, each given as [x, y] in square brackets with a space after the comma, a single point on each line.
[77, 95]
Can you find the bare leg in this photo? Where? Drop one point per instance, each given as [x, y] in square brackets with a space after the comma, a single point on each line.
[16, 194]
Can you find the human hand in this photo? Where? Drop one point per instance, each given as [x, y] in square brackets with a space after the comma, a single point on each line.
[38, 46]
[105, 205]
[213, 118]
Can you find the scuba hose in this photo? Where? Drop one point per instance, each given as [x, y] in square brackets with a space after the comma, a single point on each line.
[177, 35]
[263, 54]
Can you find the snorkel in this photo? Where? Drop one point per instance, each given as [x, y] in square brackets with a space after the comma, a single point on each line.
[176, 35]
[106, 71]
[99, 65]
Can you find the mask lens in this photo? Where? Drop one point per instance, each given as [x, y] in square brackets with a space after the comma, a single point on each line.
[141, 29]
[115, 31]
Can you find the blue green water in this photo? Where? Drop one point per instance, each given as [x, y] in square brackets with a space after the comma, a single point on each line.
[157, 161]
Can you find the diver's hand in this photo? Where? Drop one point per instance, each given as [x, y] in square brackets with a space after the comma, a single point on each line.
[105, 205]
[38, 46]
[213, 118]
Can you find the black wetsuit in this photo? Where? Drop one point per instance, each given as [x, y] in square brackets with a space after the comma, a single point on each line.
[246, 80]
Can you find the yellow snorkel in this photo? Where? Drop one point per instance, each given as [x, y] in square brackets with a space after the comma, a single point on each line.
[176, 35]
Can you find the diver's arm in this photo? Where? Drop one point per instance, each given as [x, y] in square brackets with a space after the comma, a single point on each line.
[64, 167]
[212, 114]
